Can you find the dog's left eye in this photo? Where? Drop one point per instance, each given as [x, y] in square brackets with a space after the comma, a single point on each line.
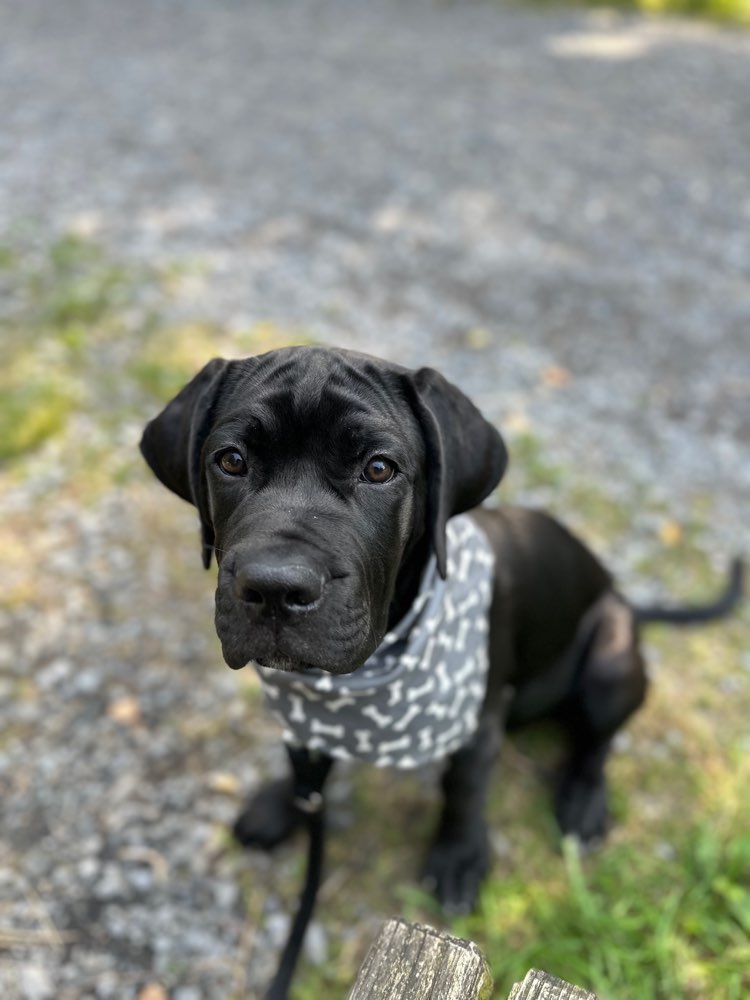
[378, 470]
[232, 463]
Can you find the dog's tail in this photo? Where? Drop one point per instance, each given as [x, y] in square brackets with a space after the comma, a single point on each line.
[697, 613]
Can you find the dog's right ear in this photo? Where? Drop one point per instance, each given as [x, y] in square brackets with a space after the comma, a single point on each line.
[173, 440]
[466, 456]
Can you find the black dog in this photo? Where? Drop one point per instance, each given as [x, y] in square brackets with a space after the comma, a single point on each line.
[325, 481]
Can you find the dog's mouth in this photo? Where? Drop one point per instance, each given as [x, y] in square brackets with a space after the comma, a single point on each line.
[240, 652]
[239, 658]
[335, 638]
[284, 663]
[238, 655]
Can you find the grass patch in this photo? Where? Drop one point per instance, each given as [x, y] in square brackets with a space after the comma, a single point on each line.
[78, 287]
[538, 470]
[735, 12]
[64, 306]
[627, 924]
[84, 345]
[33, 409]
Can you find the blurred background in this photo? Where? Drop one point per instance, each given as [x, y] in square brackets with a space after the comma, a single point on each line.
[551, 204]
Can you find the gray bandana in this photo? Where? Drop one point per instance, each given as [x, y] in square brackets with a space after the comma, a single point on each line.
[418, 697]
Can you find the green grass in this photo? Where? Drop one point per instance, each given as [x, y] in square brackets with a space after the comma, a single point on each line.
[628, 924]
[67, 306]
[83, 338]
[35, 407]
[731, 12]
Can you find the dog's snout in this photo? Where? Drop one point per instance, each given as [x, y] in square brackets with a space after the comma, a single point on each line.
[278, 585]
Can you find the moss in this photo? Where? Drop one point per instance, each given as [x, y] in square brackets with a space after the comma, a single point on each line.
[8, 259]
[531, 464]
[78, 284]
[83, 338]
[33, 408]
[737, 11]
[171, 355]
[730, 11]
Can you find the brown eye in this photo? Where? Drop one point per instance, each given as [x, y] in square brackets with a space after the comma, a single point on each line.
[232, 463]
[379, 470]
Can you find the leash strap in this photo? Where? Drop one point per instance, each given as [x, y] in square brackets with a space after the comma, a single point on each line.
[310, 774]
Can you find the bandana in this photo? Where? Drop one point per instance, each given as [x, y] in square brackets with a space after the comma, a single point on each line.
[418, 697]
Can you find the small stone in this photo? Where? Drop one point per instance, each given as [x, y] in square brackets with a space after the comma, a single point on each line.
[555, 376]
[225, 894]
[224, 783]
[665, 851]
[88, 869]
[111, 884]
[141, 879]
[107, 985]
[501, 846]
[670, 533]
[153, 991]
[35, 983]
[316, 944]
[730, 684]
[87, 681]
[277, 928]
[478, 338]
[187, 993]
[622, 742]
[126, 711]
[54, 673]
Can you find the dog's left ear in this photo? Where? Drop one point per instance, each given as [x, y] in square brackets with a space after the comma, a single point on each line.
[465, 455]
[173, 440]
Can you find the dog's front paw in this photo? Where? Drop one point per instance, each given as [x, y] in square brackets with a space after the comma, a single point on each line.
[581, 809]
[269, 818]
[456, 868]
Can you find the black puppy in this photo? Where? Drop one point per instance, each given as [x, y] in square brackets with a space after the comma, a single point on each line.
[325, 482]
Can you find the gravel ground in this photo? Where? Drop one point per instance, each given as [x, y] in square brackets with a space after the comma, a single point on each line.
[552, 207]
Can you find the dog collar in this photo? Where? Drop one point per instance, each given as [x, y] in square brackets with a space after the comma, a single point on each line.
[418, 697]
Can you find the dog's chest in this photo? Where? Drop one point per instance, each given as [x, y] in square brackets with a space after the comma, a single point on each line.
[418, 697]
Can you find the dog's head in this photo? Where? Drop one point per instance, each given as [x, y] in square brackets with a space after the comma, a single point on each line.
[322, 479]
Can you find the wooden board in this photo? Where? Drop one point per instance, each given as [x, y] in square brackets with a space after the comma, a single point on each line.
[414, 962]
[541, 986]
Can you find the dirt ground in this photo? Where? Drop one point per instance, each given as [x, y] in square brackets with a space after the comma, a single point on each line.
[551, 206]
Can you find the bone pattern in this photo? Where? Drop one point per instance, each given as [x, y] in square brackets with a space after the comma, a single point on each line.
[418, 697]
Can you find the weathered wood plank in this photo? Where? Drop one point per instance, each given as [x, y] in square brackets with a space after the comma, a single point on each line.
[415, 962]
[541, 986]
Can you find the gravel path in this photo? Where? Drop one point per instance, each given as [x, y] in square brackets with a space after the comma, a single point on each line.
[553, 207]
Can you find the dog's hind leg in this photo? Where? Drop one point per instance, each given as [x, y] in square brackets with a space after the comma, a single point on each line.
[609, 686]
[460, 857]
[275, 811]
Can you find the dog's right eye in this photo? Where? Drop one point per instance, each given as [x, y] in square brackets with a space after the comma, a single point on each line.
[232, 463]
[378, 470]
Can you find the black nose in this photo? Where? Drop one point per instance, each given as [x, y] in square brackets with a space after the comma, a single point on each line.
[278, 585]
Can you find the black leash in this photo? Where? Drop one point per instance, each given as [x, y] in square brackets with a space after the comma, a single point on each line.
[309, 800]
